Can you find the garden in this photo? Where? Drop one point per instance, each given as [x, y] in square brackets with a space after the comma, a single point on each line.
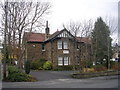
[98, 70]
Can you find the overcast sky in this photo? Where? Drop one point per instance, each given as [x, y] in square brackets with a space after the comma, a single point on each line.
[64, 11]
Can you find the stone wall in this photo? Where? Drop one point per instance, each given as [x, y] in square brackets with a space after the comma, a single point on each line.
[51, 52]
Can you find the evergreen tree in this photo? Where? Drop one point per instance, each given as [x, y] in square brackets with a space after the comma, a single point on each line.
[101, 42]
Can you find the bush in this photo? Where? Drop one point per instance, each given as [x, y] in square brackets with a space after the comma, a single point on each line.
[13, 69]
[100, 68]
[116, 66]
[47, 65]
[61, 68]
[27, 67]
[37, 64]
[88, 70]
[16, 75]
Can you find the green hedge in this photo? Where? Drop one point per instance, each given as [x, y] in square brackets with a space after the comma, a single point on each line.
[16, 75]
[37, 64]
[61, 68]
[94, 74]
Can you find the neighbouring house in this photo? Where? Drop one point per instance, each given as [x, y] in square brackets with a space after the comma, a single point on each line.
[1, 47]
[61, 47]
[116, 52]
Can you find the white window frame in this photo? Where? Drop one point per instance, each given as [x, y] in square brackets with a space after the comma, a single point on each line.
[59, 44]
[65, 45]
[60, 59]
[66, 61]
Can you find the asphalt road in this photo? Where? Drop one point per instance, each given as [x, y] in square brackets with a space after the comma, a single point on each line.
[61, 79]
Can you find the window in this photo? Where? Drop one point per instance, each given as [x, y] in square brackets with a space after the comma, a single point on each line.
[78, 60]
[78, 47]
[60, 61]
[66, 61]
[63, 61]
[59, 44]
[65, 44]
[62, 45]
[43, 47]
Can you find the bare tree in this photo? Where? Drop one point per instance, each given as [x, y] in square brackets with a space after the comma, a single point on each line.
[74, 28]
[80, 30]
[5, 46]
[24, 16]
[88, 26]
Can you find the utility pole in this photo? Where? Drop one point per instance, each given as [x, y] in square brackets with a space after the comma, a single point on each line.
[4, 65]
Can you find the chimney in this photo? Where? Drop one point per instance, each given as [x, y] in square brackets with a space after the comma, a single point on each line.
[47, 30]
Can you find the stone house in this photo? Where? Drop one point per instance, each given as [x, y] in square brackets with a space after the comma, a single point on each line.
[61, 47]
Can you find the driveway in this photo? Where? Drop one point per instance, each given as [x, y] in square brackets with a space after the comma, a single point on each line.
[51, 75]
[62, 79]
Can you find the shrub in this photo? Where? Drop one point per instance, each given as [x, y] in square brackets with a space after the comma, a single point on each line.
[27, 67]
[100, 68]
[61, 68]
[13, 69]
[88, 70]
[16, 75]
[47, 65]
[37, 64]
[116, 66]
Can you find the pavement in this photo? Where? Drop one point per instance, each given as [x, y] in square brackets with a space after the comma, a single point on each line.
[62, 79]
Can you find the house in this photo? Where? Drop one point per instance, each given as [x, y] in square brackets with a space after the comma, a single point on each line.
[1, 53]
[61, 47]
[116, 52]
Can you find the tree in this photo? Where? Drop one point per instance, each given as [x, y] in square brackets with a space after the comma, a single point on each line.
[75, 28]
[5, 46]
[81, 30]
[22, 17]
[100, 40]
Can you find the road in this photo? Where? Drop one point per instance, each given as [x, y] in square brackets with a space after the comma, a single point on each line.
[61, 79]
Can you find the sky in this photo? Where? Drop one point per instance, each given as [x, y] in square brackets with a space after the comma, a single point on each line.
[64, 11]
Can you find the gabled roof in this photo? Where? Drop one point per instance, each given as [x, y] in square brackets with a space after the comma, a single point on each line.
[54, 34]
[40, 37]
[57, 33]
